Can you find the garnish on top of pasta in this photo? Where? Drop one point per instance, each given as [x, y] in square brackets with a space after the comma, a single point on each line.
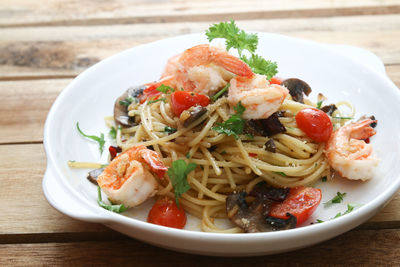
[222, 137]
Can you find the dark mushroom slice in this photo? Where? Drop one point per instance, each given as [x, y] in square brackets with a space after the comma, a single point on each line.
[297, 88]
[254, 218]
[329, 109]
[270, 146]
[92, 175]
[265, 127]
[192, 114]
[122, 103]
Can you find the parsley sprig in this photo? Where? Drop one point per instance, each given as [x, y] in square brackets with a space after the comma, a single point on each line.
[234, 125]
[165, 89]
[114, 208]
[240, 40]
[178, 176]
[98, 139]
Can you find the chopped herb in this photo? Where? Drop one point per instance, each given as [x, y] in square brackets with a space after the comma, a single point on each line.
[324, 179]
[223, 152]
[281, 173]
[250, 136]
[187, 155]
[315, 165]
[113, 133]
[220, 92]
[350, 208]
[240, 40]
[319, 104]
[169, 129]
[103, 165]
[127, 101]
[319, 221]
[114, 208]
[156, 100]
[165, 88]
[178, 175]
[98, 139]
[234, 125]
[337, 199]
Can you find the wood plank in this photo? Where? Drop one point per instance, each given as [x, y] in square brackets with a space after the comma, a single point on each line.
[75, 12]
[24, 107]
[374, 248]
[66, 51]
[21, 171]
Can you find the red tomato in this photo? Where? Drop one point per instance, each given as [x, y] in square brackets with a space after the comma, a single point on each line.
[165, 212]
[301, 203]
[183, 100]
[315, 124]
[275, 80]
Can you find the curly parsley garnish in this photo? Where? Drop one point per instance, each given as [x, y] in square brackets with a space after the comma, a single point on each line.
[114, 208]
[178, 175]
[240, 40]
[234, 125]
[98, 139]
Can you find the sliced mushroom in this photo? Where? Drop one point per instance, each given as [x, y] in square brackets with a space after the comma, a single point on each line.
[270, 146]
[297, 88]
[92, 175]
[192, 114]
[265, 127]
[254, 218]
[121, 106]
[329, 109]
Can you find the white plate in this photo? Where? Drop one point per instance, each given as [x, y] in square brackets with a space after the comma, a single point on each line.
[339, 72]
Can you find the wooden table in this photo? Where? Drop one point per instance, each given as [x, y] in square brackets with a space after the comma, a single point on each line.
[45, 44]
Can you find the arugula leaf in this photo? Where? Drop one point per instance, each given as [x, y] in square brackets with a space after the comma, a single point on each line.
[113, 132]
[114, 208]
[165, 88]
[261, 66]
[234, 37]
[178, 176]
[169, 129]
[98, 139]
[337, 199]
[156, 100]
[234, 125]
[220, 92]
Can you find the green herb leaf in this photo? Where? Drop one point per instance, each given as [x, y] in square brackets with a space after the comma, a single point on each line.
[114, 208]
[178, 175]
[223, 152]
[165, 89]
[281, 173]
[98, 139]
[319, 104]
[319, 221]
[234, 37]
[220, 92]
[343, 118]
[113, 133]
[261, 66]
[169, 129]
[156, 100]
[324, 179]
[337, 199]
[187, 155]
[127, 101]
[234, 125]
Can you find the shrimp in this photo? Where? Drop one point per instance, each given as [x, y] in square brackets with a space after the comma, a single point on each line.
[127, 181]
[205, 69]
[260, 98]
[347, 152]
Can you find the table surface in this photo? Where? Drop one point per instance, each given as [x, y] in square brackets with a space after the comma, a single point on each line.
[45, 44]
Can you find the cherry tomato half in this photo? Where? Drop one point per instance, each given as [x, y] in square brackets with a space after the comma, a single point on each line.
[165, 212]
[183, 100]
[301, 203]
[315, 124]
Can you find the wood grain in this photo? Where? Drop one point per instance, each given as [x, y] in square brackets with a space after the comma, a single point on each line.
[374, 248]
[73, 12]
[49, 52]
